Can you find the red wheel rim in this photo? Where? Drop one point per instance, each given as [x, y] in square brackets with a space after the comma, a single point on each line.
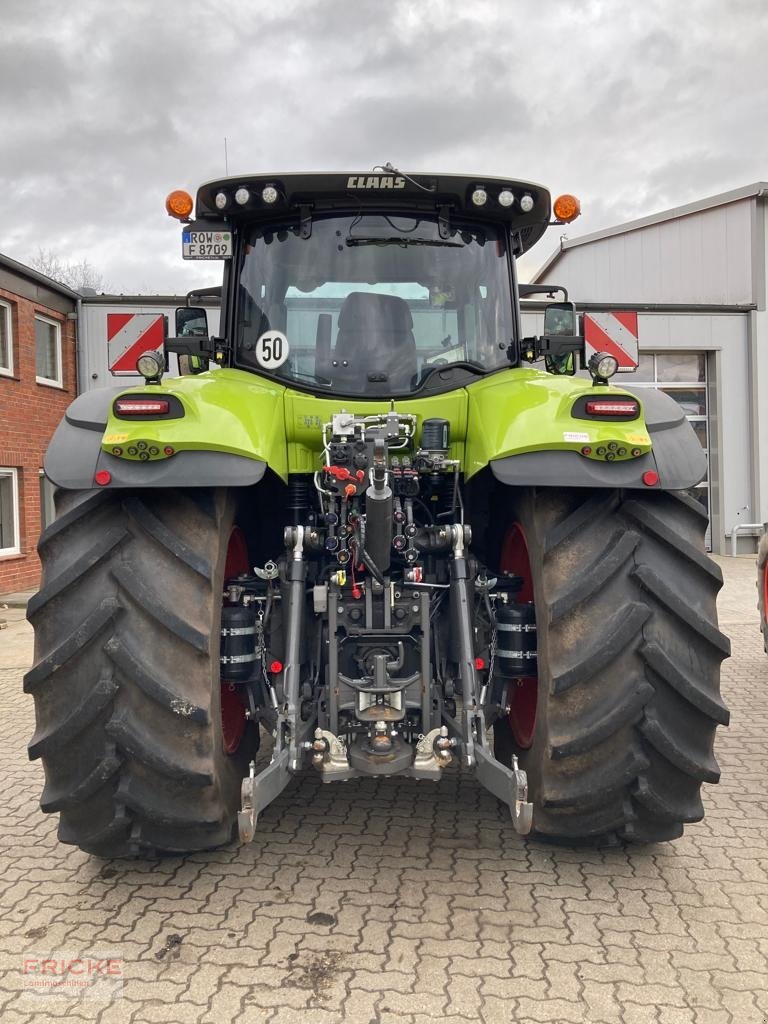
[522, 694]
[232, 717]
[237, 555]
[232, 706]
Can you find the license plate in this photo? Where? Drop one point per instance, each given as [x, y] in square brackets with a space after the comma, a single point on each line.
[206, 245]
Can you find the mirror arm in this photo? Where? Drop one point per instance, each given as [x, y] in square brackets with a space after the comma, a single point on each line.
[551, 345]
[524, 290]
[192, 346]
[201, 293]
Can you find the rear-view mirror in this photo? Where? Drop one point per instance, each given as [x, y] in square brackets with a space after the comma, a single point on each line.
[191, 321]
[560, 320]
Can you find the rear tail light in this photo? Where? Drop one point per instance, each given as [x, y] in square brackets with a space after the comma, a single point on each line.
[142, 407]
[614, 407]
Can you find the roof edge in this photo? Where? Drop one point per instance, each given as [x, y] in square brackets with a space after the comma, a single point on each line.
[34, 275]
[114, 299]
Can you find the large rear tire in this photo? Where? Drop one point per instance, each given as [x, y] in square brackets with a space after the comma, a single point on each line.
[126, 672]
[762, 587]
[629, 664]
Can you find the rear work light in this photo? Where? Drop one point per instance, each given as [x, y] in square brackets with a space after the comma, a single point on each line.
[614, 407]
[145, 407]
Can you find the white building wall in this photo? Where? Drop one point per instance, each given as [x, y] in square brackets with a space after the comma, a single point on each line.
[701, 258]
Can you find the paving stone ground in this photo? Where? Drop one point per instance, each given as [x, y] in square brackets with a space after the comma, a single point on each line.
[398, 902]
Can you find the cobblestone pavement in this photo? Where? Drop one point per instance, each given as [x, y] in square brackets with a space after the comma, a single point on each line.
[403, 902]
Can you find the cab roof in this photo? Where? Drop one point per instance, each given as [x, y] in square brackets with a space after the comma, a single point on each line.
[385, 189]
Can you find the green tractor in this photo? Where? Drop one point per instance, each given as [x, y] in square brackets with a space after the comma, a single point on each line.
[366, 529]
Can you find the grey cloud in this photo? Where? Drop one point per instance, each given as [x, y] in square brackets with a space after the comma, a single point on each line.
[106, 107]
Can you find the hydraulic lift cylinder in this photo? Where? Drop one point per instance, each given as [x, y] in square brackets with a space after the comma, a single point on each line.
[378, 516]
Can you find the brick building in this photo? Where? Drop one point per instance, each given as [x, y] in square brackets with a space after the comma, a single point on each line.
[38, 380]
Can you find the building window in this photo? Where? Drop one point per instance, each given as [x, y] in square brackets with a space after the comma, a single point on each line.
[48, 351]
[6, 340]
[9, 512]
[47, 507]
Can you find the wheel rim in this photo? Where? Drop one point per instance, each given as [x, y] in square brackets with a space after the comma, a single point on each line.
[523, 695]
[232, 707]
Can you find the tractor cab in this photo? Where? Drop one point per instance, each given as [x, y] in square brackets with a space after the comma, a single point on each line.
[373, 304]
[370, 285]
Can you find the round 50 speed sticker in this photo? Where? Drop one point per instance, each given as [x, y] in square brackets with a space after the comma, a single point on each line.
[272, 350]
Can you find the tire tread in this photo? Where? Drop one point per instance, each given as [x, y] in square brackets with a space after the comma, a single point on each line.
[629, 659]
[131, 741]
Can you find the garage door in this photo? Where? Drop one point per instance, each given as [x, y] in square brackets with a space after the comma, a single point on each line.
[682, 376]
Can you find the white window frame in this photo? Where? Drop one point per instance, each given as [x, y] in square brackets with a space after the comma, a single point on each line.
[43, 479]
[51, 382]
[13, 474]
[5, 311]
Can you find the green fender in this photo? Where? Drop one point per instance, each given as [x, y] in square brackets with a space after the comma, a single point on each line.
[231, 427]
[521, 423]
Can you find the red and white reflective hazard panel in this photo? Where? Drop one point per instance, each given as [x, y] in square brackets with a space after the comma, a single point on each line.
[614, 333]
[129, 335]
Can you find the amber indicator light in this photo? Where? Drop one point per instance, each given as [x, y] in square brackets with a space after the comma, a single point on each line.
[179, 204]
[567, 208]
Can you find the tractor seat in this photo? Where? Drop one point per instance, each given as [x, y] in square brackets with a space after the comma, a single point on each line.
[375, 337]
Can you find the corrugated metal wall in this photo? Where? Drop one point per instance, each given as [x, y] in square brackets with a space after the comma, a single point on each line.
[704, 257]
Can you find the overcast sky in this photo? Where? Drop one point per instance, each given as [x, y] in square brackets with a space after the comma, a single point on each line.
[634, 105]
